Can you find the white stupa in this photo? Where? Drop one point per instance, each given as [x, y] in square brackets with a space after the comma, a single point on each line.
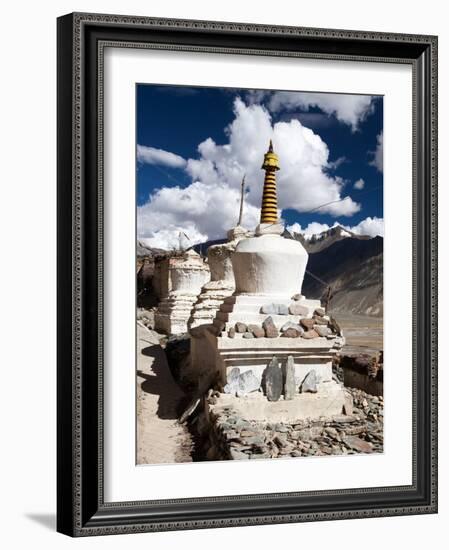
[267, 317]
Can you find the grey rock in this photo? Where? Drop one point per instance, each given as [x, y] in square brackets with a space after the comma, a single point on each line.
[274, 309]
[280, 440]
[357, 444]
[248, 335]
[231, 332]
[322, 330]
[232, 385]
[309, 334]
[307, 323]
[331, 432]
[273, 380]
[297, 309]
[282, 428]
[297, 297]
[320, 321]
[248, 383]
[257, 330]
[237, 455]
[289, 378]
[233, 374]
[289, 324]
[254, 440]
[348, 407]
[291, 333]
[320, 311]
[334, 326]
[282, 309]
[269, 309]
[240, 327]
[270, 328]
[231, 388]
[309, 384]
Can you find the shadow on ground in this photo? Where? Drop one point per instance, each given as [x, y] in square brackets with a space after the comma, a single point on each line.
[161, 383]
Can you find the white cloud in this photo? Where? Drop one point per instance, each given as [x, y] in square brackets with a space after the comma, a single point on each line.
[347, 108]
[359, 184]
[151, 155]
[378, 154]
[294, 228]
[200, 211]
[370, 227]
[209, 205]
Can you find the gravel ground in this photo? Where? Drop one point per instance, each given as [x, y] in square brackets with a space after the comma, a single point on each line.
[361, 432]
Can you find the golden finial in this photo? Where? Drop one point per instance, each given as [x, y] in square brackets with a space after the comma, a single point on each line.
[269, 212]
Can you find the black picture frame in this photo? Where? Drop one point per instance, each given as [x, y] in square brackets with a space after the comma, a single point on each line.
[81, 509]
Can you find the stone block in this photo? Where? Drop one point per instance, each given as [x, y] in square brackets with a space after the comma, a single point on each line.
[291, 333]
[240, 327]
[289, 379]
[297, 308]
[307, 323]
[270, 328]
[309, 384]
[273, 380]
[289, 324]
[309, 334]
[274, 309]
[257, 330]
[322, 330]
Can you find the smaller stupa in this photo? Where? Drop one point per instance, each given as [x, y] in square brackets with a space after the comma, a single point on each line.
[178, 281]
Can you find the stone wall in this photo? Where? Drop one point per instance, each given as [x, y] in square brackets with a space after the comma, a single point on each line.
[228, 435]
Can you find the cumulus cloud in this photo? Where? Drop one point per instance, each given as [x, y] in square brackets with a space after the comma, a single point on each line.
[359, 184]
[314, 228]
[208, 207]
[201, 211]
[350, 109]
[378, 154]
[370, 227]
[151, 155]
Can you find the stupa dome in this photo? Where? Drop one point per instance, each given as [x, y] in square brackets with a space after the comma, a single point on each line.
[269, 264]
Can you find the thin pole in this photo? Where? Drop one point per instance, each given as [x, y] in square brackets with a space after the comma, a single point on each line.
[241, 201]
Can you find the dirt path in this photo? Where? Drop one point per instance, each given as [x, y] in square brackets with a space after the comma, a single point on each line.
[159, 438]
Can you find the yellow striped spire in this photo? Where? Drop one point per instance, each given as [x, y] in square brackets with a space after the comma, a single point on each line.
[269, 213]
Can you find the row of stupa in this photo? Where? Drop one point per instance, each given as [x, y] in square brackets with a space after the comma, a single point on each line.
[254, 337]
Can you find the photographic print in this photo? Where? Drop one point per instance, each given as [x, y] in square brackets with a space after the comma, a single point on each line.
[259, 261]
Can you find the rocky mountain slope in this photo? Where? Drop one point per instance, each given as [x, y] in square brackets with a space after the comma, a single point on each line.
[353, 268]
[320, 241]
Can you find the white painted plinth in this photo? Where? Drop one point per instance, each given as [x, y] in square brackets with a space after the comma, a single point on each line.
[326, 403]
[218, 355]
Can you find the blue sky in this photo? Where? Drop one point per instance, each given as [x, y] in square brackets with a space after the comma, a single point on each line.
[194, 145]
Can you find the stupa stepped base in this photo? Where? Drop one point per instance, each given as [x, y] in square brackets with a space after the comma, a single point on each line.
[209, 301]
[327, 402]
[248, 307]
[173, 313]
